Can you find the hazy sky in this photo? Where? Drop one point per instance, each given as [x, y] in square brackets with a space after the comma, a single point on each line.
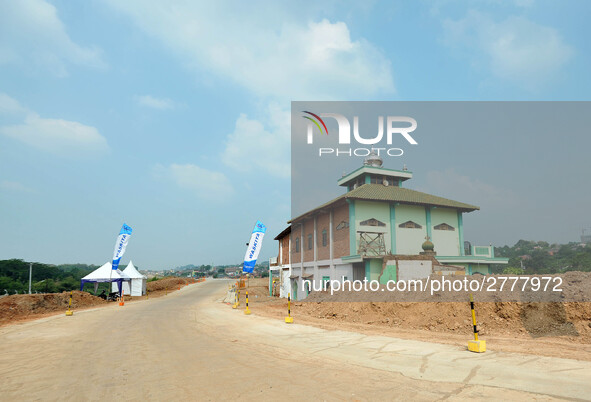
[175, 116]
[525, 164]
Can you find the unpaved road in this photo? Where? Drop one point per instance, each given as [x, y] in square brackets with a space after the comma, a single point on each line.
[188, 345]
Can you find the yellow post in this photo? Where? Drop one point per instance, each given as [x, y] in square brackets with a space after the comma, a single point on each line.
[70, 312]
[476, 345]
[147, 294]
[238, 302]
[289, 318]
[235, 299]
[166, 291]
[247, 311]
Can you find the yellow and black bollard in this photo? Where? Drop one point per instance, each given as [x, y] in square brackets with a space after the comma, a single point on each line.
[238, 301]
[70, 312]
[289, 318]
[235, 299]
[247, 311]
[477, 345]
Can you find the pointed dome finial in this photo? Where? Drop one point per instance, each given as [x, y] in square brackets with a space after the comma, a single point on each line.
[373, 159]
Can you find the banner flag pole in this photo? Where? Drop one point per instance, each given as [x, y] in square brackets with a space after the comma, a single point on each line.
[254, 247]
[120, 246]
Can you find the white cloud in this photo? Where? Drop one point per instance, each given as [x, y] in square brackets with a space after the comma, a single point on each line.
[516, 49]
[269, 51]
[14, 186]
[10, 105]
[260, 145]
[206, 184]
[32, 34]
[155, 103]
[57, 135]
[53, 135]
[277, 52]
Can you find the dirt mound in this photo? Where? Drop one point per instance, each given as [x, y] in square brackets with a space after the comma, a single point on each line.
[169, 282]
[564, 322]
[17, 307]
[258, 289]
[567, 287]
[508, 318]
[505, 312]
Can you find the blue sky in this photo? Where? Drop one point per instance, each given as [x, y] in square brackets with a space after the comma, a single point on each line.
[174, 116]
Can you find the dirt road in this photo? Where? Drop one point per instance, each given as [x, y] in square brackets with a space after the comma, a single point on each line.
[188, 345]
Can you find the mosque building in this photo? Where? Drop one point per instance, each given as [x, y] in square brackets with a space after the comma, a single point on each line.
[379, 230]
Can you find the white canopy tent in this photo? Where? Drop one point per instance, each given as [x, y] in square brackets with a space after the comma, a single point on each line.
[105, 273]
[137, 286]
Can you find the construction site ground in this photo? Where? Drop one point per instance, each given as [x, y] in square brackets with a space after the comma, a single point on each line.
[545, 329]
[191, 345]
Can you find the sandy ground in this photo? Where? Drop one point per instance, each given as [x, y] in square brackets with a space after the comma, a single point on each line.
[189, 345]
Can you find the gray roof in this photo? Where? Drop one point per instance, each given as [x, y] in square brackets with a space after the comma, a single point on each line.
[379, 192]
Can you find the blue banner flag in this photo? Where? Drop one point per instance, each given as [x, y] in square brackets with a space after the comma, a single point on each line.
[121, 244]
[254, 247]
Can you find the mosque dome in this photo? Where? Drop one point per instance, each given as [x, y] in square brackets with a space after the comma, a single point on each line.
[428, 245]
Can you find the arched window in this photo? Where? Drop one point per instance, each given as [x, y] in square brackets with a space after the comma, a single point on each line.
[297, 245]
[324, 238]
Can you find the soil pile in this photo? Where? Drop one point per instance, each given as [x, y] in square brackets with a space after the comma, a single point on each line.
[170, 282]
[17, 307]
[569, 320]
[567, 287]
[501, 318]
[258, 291]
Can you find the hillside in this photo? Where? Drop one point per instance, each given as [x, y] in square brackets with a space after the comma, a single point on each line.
[540, 257]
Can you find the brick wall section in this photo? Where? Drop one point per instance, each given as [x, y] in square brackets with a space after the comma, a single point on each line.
[322, 222]
[341, 237]
[295, 233]
[308, 230]
[284, 244]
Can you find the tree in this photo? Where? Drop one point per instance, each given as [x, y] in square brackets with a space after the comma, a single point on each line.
[512, 271]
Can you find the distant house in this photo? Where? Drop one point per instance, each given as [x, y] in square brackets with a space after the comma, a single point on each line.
[375, 222]
[231, 271]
